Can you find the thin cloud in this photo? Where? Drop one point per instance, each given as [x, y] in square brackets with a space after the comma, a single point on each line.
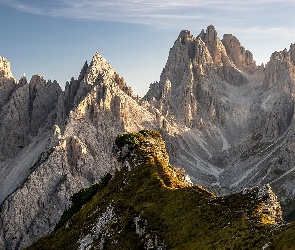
[128, 6]
[161, 14]
[269, 31]
[265, 33]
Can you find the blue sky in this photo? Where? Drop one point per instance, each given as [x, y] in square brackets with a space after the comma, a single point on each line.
[55, 38]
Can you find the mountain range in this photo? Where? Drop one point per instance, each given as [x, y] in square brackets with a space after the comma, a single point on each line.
[226, 121]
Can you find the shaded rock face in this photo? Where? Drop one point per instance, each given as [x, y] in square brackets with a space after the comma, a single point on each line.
[42, 101]
[31, 108]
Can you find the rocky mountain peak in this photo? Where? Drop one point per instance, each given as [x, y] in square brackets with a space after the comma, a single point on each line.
[100, 71]
[213, 44]
[36, 80]
[7, 82]
[98, 68]
[241, 57]
[42, 100]
[280, 69]
[4, 68]
[22, 81]
[194, 73]
[83, 72]
[185, 35]
[292, 52]
[210, 36]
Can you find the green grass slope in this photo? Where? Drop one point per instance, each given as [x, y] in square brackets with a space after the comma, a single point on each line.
[148, 204]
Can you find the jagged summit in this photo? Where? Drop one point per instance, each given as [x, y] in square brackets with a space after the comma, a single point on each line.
[197, 71]
[227, 51]
[241, 57]
[210, 36]
[5, 68]
[97, 66]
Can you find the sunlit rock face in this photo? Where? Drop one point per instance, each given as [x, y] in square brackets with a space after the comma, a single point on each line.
[225, 120]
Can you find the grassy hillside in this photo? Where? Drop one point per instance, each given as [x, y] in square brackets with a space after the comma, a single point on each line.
[150, 205]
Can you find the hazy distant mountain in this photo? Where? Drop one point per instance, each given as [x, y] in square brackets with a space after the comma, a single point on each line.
[228, 122]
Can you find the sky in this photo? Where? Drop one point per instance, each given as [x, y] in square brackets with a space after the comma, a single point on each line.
[54, 38]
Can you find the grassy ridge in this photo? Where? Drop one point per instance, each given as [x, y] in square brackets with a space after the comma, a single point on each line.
[151, 206]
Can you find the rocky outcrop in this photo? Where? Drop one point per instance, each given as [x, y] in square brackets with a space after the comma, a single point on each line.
[269, 209]
[242, 58]
[7, 83]
[31, 108]
[5, 69]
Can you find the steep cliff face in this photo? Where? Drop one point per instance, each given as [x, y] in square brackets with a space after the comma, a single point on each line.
[27, 115]
[183, 92]
[31, 108]
[266, 155]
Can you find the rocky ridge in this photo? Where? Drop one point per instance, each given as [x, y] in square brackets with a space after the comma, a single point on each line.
[148, 214]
